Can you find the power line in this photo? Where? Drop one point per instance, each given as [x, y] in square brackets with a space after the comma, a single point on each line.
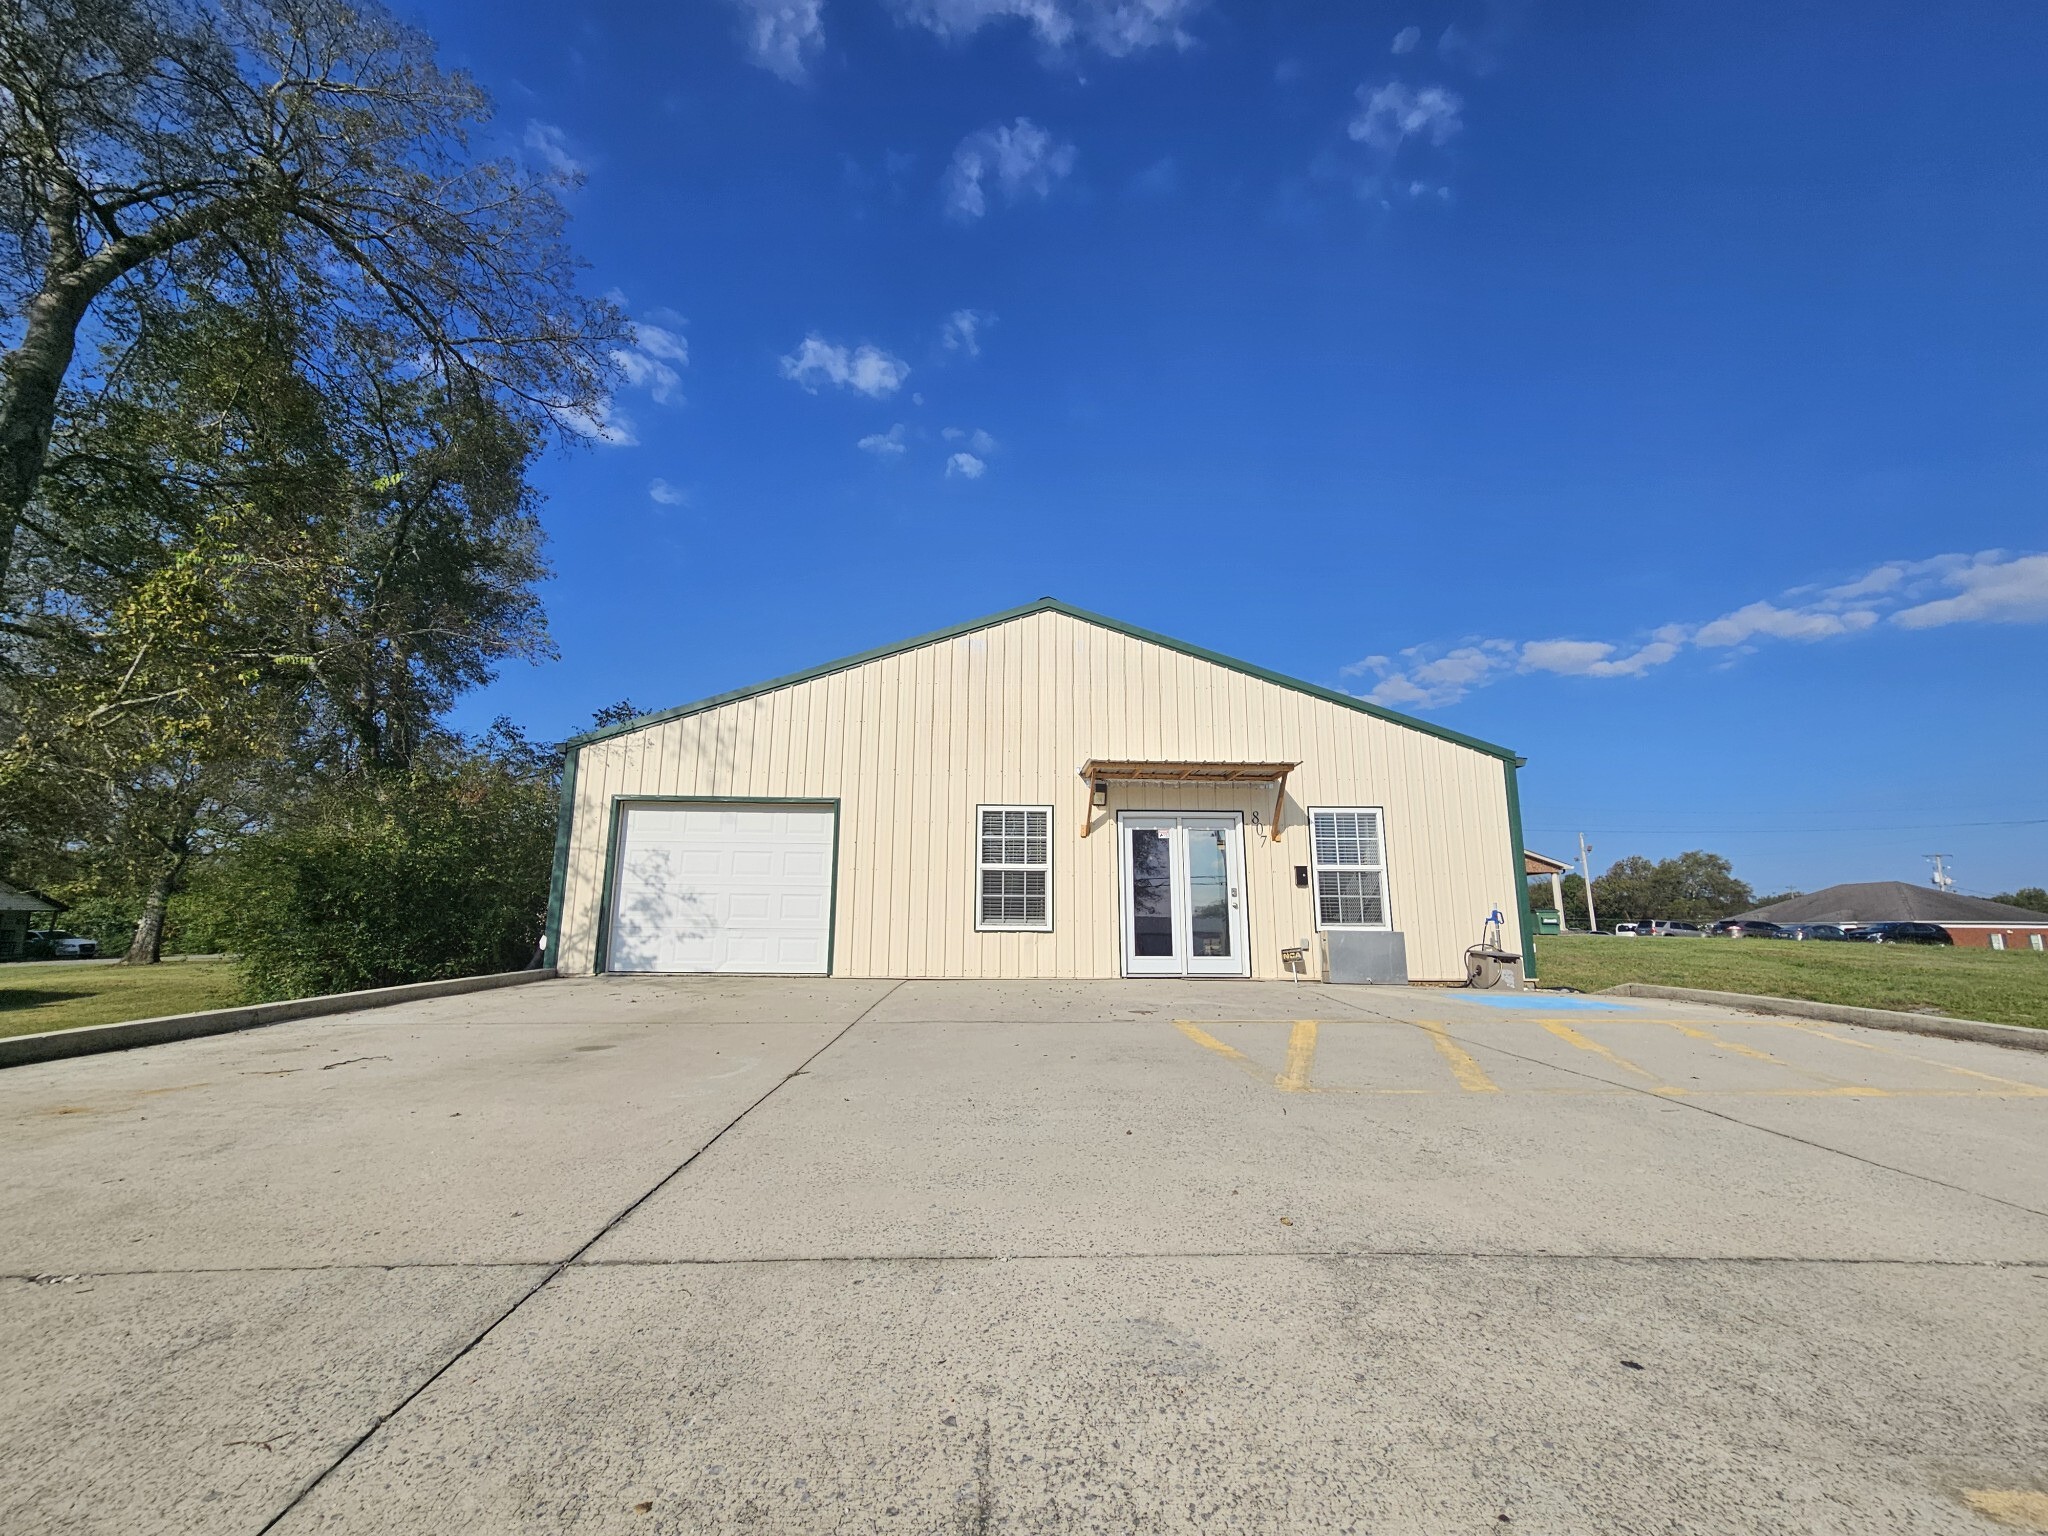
[1918, 826]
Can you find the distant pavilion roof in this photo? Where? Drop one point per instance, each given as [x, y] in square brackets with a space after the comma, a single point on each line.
[1892, 901]
[12, 900]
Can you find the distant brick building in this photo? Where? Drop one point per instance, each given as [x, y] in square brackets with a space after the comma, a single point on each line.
[1969, 920]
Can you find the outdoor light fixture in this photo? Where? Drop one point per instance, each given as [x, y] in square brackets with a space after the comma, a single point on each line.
[1101, 795]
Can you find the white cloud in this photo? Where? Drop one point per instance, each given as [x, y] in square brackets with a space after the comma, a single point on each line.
[1115, 27]
[1419, 680]
[1398, 693]
[1773, 622]
[978, 440]
[1991, 587]
[651, 361]
[864, 369]
[657, 341]
[605, 423]
[783, 36]
[648, 373]
[886, 445]
[1886, 578]
[1406, 39]
[1568, 657]
[552, 145]
[1393, 113]
[1021, 158]
[963, 330]
[966, 466]
[668, 495]
[1593, 658]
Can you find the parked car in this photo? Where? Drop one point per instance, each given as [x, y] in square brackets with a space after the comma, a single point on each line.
[1746, 928]
[1902, 933]
[55, 944]
[1832, 931]
[1671, 930]
[1624, 930]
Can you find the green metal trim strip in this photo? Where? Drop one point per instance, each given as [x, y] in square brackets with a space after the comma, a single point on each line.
[565, 823]
[611, 849]
[604, 895]
[1522, 913]
[1053, 605]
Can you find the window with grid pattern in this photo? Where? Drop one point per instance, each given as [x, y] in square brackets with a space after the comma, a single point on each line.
[1014, 867]
[1351, 868]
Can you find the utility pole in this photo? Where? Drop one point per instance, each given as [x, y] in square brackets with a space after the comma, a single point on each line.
[1586, 874]
[1943, 880]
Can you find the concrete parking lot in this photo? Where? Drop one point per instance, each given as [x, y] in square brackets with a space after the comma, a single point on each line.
[666, 1256]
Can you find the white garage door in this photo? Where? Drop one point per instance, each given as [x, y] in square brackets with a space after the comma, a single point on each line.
[732, 888]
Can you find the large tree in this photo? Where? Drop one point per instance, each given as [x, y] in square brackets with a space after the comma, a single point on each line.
[1692, 887]
[309, 156]
[248, 583]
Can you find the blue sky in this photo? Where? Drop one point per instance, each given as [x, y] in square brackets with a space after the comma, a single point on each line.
[1657, 389]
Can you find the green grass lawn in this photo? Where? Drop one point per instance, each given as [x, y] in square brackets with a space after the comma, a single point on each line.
[64, 995]
[2006, 988]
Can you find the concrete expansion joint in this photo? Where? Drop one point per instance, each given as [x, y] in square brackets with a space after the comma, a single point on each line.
[376, 1424]
[1403, 1255]
[1136, 1256]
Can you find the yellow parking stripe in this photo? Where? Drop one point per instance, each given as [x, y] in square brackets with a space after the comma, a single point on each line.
[1727, 1045]
[1470, 1075]
[1571, 1036]
[2026, 1090]
[1301, 1055]
[2024, 1509]
[1858, 1090]
[1297, 1073]
[1209, 1042]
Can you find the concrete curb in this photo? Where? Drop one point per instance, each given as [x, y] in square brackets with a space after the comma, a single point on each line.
[91, 1039]
[2017, 1036]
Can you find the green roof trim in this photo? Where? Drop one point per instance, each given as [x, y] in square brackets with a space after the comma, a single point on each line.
[1051, 605]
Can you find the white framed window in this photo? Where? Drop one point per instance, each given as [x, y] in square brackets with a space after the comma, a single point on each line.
[1013, 868]
[1349, 850]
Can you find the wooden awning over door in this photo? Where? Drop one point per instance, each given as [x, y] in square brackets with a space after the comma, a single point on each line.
[1106, 771]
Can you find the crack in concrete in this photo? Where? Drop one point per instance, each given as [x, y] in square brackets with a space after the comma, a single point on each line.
[541, 1284]
[1690, 1103]
[1687, 1102]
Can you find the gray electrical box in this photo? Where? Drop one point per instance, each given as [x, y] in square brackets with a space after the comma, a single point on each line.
[1379, 959]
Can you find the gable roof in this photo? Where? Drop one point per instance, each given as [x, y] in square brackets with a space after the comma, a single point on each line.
[1893, 901]
[1052, 605]
[14, 899]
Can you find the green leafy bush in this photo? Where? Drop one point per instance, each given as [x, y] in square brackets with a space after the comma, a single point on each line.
[438, 871]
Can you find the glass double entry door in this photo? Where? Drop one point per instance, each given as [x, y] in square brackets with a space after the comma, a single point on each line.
[1183, 894]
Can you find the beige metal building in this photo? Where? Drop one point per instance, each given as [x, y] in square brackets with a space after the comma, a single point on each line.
[1041, 793]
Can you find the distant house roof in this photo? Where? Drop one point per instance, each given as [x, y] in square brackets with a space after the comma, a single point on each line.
[12, 900]
[1893, 901]
[1534, 863]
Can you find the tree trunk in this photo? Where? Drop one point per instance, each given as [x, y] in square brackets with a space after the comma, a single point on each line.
[30, 380]
[147, 947]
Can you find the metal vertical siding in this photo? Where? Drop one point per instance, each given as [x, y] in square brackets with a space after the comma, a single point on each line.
[910, 743]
